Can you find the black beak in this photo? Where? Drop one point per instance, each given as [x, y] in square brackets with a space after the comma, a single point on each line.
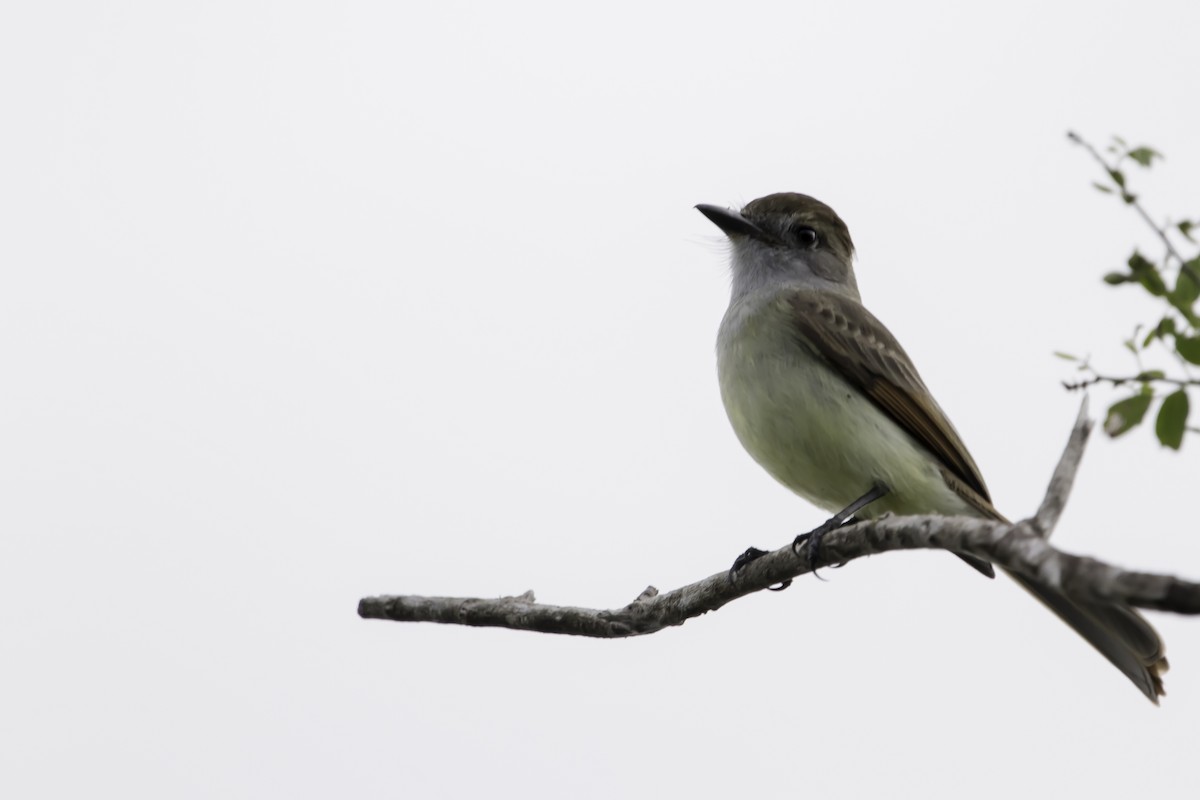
[731, 222]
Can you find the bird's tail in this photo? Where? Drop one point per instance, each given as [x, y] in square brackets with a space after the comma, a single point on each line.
[1120, 633]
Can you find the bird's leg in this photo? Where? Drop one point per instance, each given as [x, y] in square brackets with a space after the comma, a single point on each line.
[813, 537]
[811, 541]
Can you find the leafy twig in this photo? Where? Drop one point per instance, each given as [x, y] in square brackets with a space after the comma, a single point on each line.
[1132, 199]
[1179, 326]
[1143, 378]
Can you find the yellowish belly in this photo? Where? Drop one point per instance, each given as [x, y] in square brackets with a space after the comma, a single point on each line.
[822, 438]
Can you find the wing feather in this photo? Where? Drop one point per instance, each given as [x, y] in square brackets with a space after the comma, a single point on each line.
[865, 353]
[858, 347]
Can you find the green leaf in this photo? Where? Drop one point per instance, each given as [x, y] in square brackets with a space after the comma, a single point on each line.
[1100, 187]
[1186, 290]
[1188, 347]
[1127, 413]
[1065, 356]
[1119, 141]
[1150, 375]
[1117, 278]
[1147, 274]
[1172, 419]
[1185, 227]
[1165, 326]
[1118, 177]
[1144, 155]
[1129, 199]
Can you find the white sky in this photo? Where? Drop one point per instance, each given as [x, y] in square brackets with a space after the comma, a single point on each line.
[303, 302]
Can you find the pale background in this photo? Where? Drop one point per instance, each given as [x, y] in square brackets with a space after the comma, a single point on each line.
[303, 302]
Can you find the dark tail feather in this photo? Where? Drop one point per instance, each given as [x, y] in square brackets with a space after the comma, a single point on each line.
[983, 567]
[1121, 635]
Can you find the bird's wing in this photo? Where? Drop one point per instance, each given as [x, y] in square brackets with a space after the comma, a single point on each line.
[859, 348]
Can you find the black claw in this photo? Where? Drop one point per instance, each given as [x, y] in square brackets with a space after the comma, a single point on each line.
[811, 541]
[753, 554]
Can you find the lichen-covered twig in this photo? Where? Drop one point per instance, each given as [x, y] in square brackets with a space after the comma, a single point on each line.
[1021, 547]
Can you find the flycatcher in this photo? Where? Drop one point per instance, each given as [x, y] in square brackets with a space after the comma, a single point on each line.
[824, 398]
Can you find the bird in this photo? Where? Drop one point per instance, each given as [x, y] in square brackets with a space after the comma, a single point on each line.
[824, 398]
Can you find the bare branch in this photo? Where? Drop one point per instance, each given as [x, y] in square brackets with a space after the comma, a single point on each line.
[1074, 386]
[1021, 548]
[1064, 474]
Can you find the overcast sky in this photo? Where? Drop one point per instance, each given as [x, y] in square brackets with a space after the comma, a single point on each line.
[302, 302]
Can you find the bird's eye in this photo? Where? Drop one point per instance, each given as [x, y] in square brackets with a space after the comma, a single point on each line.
[805, 236]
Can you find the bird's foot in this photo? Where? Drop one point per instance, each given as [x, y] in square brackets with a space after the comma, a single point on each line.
[811, 542]
[753, 554]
